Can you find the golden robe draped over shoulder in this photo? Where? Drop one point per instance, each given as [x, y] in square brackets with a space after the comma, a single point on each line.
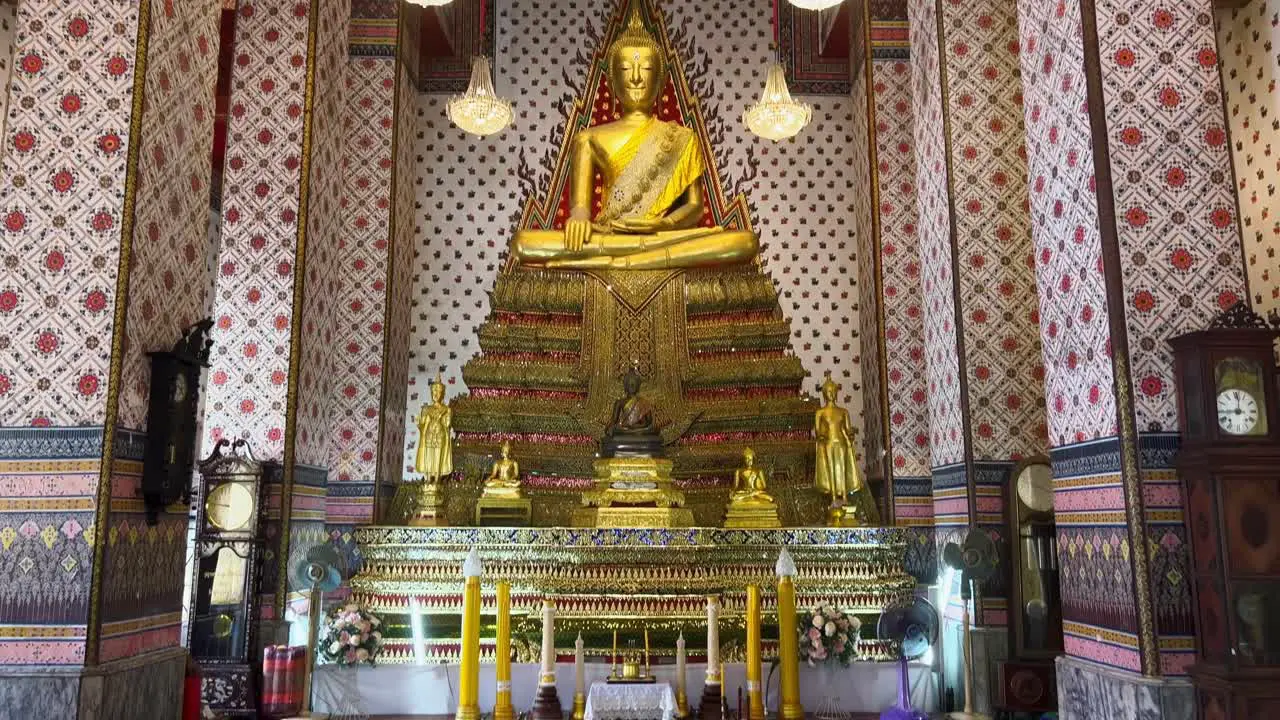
[648, 174]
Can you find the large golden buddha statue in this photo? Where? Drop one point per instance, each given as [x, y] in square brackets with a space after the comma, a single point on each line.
[652, 200]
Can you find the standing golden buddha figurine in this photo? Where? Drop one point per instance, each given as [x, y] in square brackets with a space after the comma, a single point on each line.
[435, 436]
[652, 170]
[836, 466]
[750, 506]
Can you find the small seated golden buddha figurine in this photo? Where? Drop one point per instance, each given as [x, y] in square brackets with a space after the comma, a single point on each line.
[750, 506]
[749, 483]
[652, 198]
[504, 478]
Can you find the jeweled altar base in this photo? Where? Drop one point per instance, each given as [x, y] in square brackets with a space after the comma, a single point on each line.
[605, 579]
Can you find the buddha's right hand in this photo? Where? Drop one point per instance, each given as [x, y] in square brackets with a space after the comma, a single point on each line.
[577, 233]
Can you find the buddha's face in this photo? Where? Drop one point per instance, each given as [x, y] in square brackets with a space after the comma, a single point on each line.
[437, 392]
[748, 457]
[506, 450]
[829, 392]
[636, 77]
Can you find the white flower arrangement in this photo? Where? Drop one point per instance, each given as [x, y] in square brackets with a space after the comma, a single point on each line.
[830, 634]
[350, 635]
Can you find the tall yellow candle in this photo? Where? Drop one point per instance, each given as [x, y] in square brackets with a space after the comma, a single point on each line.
[755, 704]
[469, 681]
[646, 651]
[502, 708]
[788, 640]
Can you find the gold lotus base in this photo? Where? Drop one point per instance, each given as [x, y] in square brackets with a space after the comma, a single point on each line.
[843, 517]
[503, 511]
[420, 504]
[751, 516]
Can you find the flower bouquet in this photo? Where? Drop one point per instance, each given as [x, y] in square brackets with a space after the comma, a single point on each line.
[829, 634]
[350, 636]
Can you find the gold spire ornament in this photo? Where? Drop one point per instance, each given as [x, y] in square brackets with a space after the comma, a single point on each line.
[776, 116]
[480, 111]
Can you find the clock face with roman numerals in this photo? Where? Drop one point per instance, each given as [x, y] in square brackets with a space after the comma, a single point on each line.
[1237, 411]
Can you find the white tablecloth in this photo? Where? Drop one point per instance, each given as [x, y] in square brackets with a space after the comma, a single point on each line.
[432, 689]
[630, 702]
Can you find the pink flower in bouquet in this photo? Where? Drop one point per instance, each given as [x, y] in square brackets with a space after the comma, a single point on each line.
[351, 656]
[820, 654]
[344, 637]
[839, 648]
[814, 635]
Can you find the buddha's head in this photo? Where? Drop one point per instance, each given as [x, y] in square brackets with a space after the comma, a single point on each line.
[437, 390]
[637, 67]
[748, 457]
[506, 449]
[631, 381]
[829, 390]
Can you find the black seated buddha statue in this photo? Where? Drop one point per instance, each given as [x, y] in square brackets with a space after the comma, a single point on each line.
[632, 431]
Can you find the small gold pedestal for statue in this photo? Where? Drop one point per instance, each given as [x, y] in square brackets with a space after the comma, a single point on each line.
[633, 492]
[420, 504]
[751, 516]
[503, 511]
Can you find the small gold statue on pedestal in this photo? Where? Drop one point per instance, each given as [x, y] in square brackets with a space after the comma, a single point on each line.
[836, 467]
[501, 502]
[434, 459]
[633, 485]
[749, 505]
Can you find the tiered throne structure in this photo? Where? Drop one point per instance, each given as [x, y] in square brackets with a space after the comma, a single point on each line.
[712, 346]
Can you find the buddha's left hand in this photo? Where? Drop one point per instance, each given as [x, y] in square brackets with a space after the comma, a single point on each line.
[638, 226]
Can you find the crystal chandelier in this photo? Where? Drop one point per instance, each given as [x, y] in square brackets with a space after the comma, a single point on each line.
[777, 117]
[480, 111]
[815, 4]
[428, 3]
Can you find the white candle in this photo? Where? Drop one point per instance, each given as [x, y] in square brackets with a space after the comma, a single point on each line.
[579, 666]
[713, 640]
[548, 642]
[681, 686]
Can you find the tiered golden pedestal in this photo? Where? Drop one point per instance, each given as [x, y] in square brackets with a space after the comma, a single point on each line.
[633, 493]
[503, 511]
[752, 516]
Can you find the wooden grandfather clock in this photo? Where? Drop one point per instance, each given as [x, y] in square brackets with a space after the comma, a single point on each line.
[1230, 469]
[223, 630]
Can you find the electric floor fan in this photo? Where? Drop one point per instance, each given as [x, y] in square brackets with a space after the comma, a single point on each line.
[976, 560]
[913, 627]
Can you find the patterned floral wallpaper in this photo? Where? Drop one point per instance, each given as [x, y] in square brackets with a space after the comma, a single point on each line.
[365, 246]
[471, 190]
[993, 237]
[169, 282]
[904, 323]
[1074, 332]
[61, 203]
[256, 308]
[946, 426]
[1248, 39]
[872, 452]
[1180, 248]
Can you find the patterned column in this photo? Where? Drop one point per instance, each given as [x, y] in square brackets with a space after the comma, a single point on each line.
[901, 339]
[1248, 38]
[103, 212]
[1136, 242]
[281, 275]
[373, 313]
[985, 373]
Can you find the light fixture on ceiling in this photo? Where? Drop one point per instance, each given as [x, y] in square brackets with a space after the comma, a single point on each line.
[428, 3]
[815, 4]
[480, 111]
[776, 116]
